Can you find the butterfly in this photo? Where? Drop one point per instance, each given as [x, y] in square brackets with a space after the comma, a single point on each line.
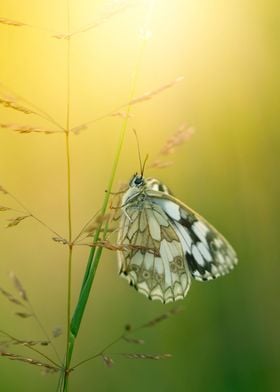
[164, 244]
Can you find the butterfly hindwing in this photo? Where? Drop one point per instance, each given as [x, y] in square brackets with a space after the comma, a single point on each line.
[153, 259]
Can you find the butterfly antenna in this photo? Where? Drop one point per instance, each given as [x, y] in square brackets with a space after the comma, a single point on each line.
[139, 154]
[144, 164]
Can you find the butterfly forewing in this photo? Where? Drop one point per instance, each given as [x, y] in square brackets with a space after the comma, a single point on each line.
[207, 252]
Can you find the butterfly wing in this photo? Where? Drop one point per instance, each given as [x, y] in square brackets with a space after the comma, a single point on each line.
[207, 252]
[153, 258]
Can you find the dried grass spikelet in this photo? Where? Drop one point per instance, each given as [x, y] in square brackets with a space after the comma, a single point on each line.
[12, 104]
[17, 342]
[128, 327]
[133, 340]
[162, 317]
[3, 190]
[93, 226]
[31, 343]
[62, 36]
[121, 114]
[23, 314]
[150, 94]
[15, 221]
[10, 297]
[78, 129]
[11, 22]
[3, 208]
[159, 164]
[103, 218]
[60, 240]
[19, 287]
[146, 356]
[183, 134]
[56, 332]
[23, 129]
[107, 360]
[31, 361]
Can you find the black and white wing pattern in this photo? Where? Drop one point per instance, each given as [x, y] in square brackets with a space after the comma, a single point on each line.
[154, 260]
[164, 243]
[208, 254]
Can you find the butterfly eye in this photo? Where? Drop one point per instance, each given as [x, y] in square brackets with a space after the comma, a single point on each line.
[138, 180]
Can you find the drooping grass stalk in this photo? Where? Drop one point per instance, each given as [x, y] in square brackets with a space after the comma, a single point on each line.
[95, 252]
[30, 347]
[31, 214]
[38, 110]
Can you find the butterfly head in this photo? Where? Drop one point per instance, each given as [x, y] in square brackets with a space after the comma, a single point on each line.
[137, 181]
[136, 187]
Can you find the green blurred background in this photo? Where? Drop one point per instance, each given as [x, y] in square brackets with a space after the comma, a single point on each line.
[227, 337]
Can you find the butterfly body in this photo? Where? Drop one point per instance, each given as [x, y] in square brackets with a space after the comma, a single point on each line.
[166, 243]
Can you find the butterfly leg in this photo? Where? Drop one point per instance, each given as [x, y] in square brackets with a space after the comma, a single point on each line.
[126, 214]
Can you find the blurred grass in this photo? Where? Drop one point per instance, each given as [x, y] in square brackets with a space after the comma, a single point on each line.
[227, 339]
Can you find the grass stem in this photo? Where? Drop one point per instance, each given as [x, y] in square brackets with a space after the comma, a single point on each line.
[69, 202]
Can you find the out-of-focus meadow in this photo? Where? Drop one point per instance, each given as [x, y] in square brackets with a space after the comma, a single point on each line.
[227, 336]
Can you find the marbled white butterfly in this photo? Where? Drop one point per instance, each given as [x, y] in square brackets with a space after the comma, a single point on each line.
[165, 243]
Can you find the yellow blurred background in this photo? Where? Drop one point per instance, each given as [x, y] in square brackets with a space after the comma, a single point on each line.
[227, 337]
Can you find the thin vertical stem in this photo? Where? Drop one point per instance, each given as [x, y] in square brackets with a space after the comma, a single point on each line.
[70, 247]
[67, 133]
[69, 212]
